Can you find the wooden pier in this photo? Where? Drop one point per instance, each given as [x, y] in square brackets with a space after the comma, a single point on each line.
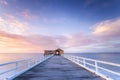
[58, 68]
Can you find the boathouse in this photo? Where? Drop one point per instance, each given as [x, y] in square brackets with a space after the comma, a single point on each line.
[55, 52]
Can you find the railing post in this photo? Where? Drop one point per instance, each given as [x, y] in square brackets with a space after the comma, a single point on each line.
[28, 63]
[84, 62]
[41, 59]
[35, 61]
[73, 58]
[96, 66]
[16, 66]
[44, 58]
[78, 59]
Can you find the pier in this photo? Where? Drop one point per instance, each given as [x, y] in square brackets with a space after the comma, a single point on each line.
[58, 68]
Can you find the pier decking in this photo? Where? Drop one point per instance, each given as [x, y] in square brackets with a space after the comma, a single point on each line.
[58, 68]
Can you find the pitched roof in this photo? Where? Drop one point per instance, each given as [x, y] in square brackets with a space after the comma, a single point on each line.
[59, 49]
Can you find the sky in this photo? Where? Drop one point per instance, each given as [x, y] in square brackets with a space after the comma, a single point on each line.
[32, 26]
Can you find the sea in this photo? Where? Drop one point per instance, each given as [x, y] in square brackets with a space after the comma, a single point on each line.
[108, 57]
[10, 57]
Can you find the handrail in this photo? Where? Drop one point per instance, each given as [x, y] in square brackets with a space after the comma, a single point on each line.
[84, 62]
[9, 74]
[12, 62]
[113, 64]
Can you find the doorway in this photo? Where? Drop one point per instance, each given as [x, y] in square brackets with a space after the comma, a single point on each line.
[57, 52]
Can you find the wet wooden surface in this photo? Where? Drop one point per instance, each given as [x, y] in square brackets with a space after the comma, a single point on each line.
[58, 68]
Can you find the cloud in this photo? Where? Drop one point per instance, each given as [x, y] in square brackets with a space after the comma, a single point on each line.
[62, 41]
[47, 42]
[104, 37]
[11, 39]
[12, 43]
[27, 14]
[80, 39]
[11, 24]
[3, 2]
[109, 29]
[107, 35]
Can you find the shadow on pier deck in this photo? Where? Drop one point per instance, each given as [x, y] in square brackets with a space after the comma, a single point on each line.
[58, 68]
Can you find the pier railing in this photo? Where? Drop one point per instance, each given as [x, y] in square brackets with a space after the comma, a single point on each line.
[107, 70]
[10, 70]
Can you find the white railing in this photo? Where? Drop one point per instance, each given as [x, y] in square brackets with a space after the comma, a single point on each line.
[97, 66]
[10, 70]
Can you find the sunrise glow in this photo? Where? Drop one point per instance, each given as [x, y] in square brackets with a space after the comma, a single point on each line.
[30, 26]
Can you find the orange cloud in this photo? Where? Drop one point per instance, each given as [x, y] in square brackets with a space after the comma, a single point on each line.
[11, 24]
[11, 43]
[15, 44]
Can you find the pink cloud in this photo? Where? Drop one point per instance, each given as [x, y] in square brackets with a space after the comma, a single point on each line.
[109, 29]
[105, 35]
[12, 43]
[47, 42]
[80, 39]
[27, 14]
[95, 41]
[11, 24]
[38, 43]
[3, 2]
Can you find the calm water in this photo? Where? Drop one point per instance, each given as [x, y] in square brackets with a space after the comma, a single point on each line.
[109, 57]
[13, 57]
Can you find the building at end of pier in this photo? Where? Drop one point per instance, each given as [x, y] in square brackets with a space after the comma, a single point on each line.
[55, 52]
